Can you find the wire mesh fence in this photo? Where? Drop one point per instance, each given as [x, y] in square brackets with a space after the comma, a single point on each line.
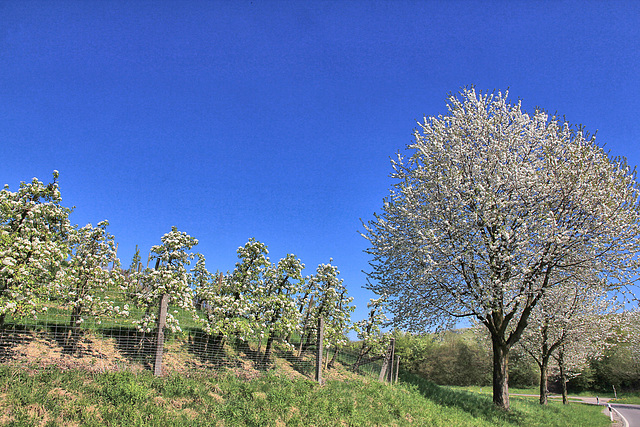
[108, 341]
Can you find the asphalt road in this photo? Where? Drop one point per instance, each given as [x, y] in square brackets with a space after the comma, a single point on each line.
[630, 412]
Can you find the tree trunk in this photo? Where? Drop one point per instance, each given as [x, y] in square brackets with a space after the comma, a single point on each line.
[267, 350]
[358, 361]
[544, 380]
[333, 359]
[500, 373]
[71, 343]
[563, 378]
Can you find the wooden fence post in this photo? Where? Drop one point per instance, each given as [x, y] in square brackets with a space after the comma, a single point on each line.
[162, 321]
[397, 369]
[319, 350]
[392, 358]
[387, 363]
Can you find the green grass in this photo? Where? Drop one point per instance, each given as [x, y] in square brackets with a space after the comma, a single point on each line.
[488, 389]
[630, 398]
[49, 396]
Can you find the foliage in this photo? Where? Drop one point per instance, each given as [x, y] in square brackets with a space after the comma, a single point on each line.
[620, 366]
[326, 297]
[91, 271]
[493, 208]
[33, 229]
[373, 342]
[459, 357]
[170, 277]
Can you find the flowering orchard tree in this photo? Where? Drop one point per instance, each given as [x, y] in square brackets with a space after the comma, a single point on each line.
[494, 207]
[257, 299]
[374, 342]
[33, 229]
[277, 305]
[170, 276]
[568, 319]
[229, 301]
[327, 297]
[87, 278]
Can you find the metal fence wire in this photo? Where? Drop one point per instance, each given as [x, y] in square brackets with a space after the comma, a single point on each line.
[109, 342]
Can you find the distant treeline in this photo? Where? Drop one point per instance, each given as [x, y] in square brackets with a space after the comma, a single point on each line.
[463, 358]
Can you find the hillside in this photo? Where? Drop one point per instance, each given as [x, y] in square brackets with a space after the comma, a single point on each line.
[40, 385]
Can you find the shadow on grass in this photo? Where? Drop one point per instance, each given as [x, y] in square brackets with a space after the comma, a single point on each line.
[135, 346]
[12, 336]
[210, 350]
[302, 359]
[477, 405]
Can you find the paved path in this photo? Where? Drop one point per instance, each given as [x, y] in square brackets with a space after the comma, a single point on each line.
[627, 415]
[630, 412]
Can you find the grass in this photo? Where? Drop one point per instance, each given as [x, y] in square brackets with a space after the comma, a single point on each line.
[488, 389]
[623, 397]
[43, 394]
[629, 398]
[50, 396]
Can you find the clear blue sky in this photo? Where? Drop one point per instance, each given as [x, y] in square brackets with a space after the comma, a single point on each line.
[276, 119]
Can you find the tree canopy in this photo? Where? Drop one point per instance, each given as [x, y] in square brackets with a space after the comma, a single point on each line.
[493, 207]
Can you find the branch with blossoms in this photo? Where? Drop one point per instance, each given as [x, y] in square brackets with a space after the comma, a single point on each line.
[33, 231]
[170, 276]
[87, 284]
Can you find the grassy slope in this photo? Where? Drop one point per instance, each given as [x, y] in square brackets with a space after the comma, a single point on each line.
[623, 396]
[49, 396]
[630, 398]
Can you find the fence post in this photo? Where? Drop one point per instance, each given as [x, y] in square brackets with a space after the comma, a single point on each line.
[385, 365]
[386, 371]
[397, 369]
[392, 358]
[319, 350]
[162, 320]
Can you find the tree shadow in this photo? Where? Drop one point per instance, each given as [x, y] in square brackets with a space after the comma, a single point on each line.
[208, 349]
[303, 362]
[476, 405]
[135, 346]
[12, 336]
[245, 351]
[72, 340]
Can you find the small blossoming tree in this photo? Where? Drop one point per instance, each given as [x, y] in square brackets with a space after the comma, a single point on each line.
[90, 276]
[568, 321]
[169, 277]
[277, 305]
[373, 341]
[229, 301]
[327, 298]
[33, 229]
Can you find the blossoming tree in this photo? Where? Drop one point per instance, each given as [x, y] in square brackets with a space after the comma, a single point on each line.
[484, 214]
[568, 321]
[90, 275]
[277, 306]
[256, 300]
[33, 229]
[169, 277]
[229, 301]
[373, 341]
[326, 297]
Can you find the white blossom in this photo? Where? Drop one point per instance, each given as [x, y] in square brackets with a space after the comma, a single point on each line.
[494, 207]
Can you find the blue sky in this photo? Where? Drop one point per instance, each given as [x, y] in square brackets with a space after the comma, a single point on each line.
[276, 119]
